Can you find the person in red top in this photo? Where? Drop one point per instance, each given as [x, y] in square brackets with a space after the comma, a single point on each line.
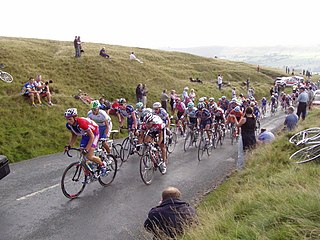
[238, 115]
[89, 130]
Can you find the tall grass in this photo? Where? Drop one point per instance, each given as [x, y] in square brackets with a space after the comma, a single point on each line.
[269, 199]
[27, 132]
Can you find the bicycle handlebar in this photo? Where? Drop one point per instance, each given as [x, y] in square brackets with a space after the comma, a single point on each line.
[67, 152]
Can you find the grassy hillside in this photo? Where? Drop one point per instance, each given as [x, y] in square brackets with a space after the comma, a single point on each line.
[269, 199]
[28, 132]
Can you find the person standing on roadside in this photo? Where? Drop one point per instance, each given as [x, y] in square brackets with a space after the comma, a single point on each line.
[164, 99]
[302, 100]
[144, 95]
[139, 94]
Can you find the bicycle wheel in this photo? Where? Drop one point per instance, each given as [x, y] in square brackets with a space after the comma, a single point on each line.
[233, 135]
[209, 146]
[197, 138]
[300, 137]
[172, 145]
[126, 149]
[221, 138]
[116, 152]
[306, 154]
[215, 139]
[6, 77]
[257, 128]
[146, 168]
[188, 141]
[73, 180]
[111, 165]
[201, 148]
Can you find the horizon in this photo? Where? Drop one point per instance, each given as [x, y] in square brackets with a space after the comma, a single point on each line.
[165, 24]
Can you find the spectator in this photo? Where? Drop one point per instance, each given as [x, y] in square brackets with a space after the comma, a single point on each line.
[169, 219]
[29, 90]
[248, 83]
[311, 97]
[302, 103]
[291, 119]
[103, 53]
[139, 94]
[219, 82]
[258, 68]
[76, 47]
[133, 57]
[173, 97]
[114, 107]
[43, 89]
[185, 94]
[164, 99]
[192, 95]
[104, 104]
[80, 45]
[144, 95]
[248, 126]
[233, 93]
[266, 136]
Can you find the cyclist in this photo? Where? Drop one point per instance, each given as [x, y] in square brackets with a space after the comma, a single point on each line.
[180, 107]
[218, 114]
[273, 103]
[162, 113]
[103, 120]
[238, 115]
[89, 130]
[139, 113]
[264, 106]
[224, 103]
[204, 118]
[190, 114]
[156, 128]
[127, 111]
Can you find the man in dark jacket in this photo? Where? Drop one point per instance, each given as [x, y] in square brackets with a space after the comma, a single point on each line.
[139, 93]
[171, 216]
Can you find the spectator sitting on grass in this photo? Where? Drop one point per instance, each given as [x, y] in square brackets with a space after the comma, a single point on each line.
[133, 57]
[43, 89]
[291, 120]
[29, 90]
[266, 136]
[103, 53]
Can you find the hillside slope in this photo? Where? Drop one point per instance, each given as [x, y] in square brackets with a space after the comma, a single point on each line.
[29, 132]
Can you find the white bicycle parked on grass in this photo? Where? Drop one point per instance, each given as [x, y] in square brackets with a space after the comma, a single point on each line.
[4, 76]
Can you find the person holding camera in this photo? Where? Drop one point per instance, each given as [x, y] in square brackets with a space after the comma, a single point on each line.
[43, 89]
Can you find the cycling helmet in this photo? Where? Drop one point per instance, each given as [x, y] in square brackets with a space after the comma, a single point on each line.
[71, 112]
[223, 97]
[94, 104]
[139, 105]
[148, 117]
[156, 105]
[234, 100]
[214, 106]
[190, 105]
[201, 99]
[237, 109]
[211, 99]
[122, 100]
[146, 111]
[200, 105]
[264, 98]
[178, 99]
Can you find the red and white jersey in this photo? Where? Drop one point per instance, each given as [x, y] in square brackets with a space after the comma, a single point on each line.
[157, 125]
[83, 125]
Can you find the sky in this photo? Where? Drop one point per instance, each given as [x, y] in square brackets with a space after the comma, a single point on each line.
[166, 23]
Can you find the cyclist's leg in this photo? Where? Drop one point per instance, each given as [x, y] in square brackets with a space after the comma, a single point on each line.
[103, 134]
[90, 155]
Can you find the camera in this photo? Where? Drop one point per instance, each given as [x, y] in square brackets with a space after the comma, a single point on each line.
[50, 81]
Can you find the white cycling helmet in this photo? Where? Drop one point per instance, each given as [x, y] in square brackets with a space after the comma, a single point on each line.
[71, 112]
[148, 117]
[156, 105]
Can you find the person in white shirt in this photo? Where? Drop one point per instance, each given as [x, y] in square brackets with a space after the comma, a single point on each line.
[219, 81]
[133, 57]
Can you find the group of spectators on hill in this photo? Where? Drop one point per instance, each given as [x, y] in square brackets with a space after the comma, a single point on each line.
[35, 89]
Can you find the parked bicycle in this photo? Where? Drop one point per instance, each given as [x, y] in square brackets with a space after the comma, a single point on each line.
[311, 138]
[4, 76]
[150, 161]
[82, 172]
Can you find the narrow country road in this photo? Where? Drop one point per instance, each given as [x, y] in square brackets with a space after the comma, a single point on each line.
[33, 206]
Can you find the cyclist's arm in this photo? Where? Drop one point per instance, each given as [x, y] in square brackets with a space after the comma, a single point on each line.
[73, 139]
[135, 125]
[160, 137]
[107, 128]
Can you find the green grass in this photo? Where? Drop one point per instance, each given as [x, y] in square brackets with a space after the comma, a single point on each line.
[269, 199]
[27, 132]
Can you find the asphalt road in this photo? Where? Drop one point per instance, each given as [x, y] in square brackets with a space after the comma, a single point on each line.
[33, 206]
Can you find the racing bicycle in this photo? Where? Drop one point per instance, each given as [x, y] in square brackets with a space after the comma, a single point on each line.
[82, 172]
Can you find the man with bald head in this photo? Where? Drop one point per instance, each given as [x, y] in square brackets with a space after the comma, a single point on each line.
[171, 216]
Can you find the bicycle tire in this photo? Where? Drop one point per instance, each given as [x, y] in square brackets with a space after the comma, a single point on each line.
[188, 141]
[6, 77]
[74, 186]
[201, 148]
[209, 147]
[215, 139]
[116, 152]
[306, 154]
[147, 168]
[126, 148]
[112, 169]
[299, 137]
[172, 145]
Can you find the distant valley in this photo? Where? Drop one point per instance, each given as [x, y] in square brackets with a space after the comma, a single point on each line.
[294, 57]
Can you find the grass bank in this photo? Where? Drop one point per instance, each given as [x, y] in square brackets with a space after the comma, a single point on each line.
[28, 132]
[269, 199]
